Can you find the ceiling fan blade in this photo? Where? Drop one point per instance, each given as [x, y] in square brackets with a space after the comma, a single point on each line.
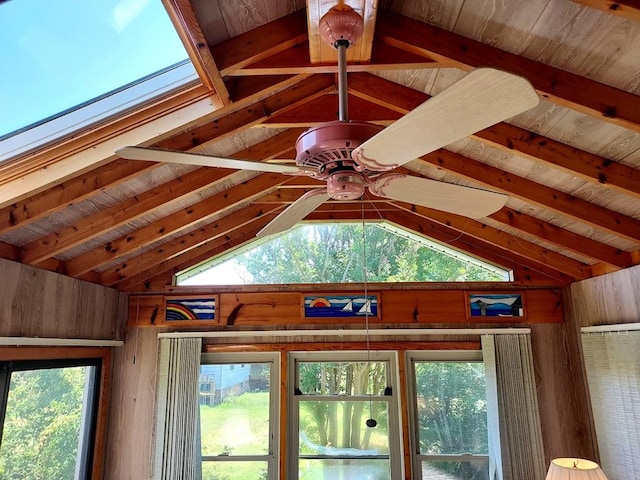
[185, 158]
[295, 212]
[458, 199]
[482, 98]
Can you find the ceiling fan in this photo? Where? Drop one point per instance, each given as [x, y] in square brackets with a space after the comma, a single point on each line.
[353, 156]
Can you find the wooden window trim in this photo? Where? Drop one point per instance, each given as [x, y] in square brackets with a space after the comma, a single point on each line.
[104, 394]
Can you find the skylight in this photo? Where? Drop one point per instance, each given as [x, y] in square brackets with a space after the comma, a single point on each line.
[64, 55]
[333, 253]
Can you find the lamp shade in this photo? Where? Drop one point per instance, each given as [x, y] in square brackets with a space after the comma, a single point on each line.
[574, 469]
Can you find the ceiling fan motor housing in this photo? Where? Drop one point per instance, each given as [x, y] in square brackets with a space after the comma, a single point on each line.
[341, 24]
[328, 146]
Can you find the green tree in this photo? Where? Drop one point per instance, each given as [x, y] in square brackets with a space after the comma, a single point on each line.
[452, 412]
[335, 253]
[42, 424]
[340, 424]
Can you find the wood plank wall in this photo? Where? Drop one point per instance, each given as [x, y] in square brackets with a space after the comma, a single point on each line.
[129, 452]
[39, 303]
[604, 300]
[562, 393]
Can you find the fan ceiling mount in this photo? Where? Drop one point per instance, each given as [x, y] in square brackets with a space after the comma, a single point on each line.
[354, 156]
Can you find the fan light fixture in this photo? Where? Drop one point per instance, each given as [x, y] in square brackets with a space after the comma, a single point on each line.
[574, 469]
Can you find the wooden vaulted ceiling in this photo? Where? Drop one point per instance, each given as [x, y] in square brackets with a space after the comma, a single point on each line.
[570, 166]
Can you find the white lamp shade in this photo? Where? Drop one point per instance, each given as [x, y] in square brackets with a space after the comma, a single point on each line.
[574, 469]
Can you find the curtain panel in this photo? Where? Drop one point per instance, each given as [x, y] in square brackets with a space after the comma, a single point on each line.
[515, 434]
[612, 362]
[177, 446]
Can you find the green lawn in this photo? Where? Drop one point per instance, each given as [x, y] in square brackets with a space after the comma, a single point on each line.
[238, 426]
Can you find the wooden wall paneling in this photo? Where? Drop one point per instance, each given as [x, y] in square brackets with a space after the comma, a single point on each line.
[38, 303]
[129, 453]
[543, 306]
[145, 310]
[260, 309]
[416, 306]
[608, 299]
[561, 388]
[267, 308]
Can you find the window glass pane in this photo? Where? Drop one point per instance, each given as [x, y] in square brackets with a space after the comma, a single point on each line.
[234, 409]
[338, 428]
[325, 469]
[451, 407]
[476, 470]
[342, 378]
[44, 422]
[230, 470]
[333, 253]
[64, 53]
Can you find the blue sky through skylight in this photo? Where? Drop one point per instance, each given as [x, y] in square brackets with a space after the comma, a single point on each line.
[58, 54]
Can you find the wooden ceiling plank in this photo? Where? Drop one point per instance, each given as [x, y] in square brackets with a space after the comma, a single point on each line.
[590, 167]
[565, 88]
[565, 238]
[236, 238]
[72, 191]
[325, 109]
[321, 52]
[186, 24]
[474, 247]
[629, 9]
[504, 241]
[295, 60]
[179, 245]
[273, 146]
[92, 226]
[530, 191]
[217, 204]
[235, 121]
[260, 42]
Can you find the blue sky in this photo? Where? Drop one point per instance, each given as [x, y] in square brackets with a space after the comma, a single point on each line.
[56, 54]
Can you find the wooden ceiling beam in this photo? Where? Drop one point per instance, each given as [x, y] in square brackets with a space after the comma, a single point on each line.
[72, 191]
[629, 9]
[227, 123]
[216, 205]
[295, 60]
[570, 90]
[177, 246]
[585, 165]
[233, 239]
[522, 267]
[505, 241]
[246, 191]
[186, 24]
[532, 192]
[261, 42]
[92, 226]
[564, 238]
[325, 109]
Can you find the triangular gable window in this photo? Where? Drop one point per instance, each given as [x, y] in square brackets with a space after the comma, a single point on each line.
[334, 253]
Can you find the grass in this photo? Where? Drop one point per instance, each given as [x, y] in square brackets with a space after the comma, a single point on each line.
[237, 426]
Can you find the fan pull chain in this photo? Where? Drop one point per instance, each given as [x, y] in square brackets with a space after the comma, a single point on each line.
[371, 422]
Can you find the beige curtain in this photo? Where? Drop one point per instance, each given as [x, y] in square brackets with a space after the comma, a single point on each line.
[515, 420]
[612, 361]
[177, 452]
